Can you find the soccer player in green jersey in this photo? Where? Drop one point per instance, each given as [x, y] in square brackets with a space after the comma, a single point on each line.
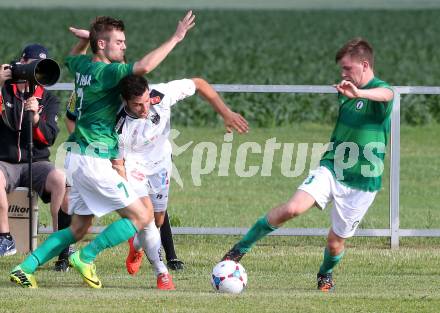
[97, 189]
[350, 170]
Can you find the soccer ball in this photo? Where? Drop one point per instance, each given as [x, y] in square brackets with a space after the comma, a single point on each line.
[229, 277]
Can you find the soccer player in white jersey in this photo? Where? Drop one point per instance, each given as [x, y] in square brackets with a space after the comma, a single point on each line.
[143, 126]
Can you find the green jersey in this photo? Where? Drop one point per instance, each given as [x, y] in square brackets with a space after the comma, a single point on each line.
[97, 103]
[358, 142]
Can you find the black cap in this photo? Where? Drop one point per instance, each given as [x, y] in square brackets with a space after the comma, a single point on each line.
[34, 51]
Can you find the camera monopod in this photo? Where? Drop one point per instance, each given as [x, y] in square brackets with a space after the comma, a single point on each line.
[45, 72]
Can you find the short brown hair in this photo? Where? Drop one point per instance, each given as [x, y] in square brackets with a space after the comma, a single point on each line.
[357, 48]
[133, 86]
[100, 27]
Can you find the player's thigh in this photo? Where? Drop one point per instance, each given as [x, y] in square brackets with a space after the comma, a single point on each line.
[349, 208]
[300, 202]
[138, 213]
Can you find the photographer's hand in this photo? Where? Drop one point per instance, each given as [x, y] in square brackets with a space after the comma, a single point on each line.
[31, 104]
[5, 74]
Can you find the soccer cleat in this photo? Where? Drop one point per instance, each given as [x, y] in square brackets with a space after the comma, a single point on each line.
[23, 279]
[165, 282]
[175, 265]
[7, 246]
[325, 282]
[134, 258]
[233, 255]
[87, 270]
[62, 265]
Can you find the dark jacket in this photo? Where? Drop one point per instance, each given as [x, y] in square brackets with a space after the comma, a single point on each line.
[14, 125]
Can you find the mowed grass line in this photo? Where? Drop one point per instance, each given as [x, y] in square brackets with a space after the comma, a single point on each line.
[281, 272]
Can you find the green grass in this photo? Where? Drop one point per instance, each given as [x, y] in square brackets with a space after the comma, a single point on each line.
[371, 278]
[229, 4]
[261, 47]
[257, 47]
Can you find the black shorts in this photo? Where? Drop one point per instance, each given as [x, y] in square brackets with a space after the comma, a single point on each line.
[17, 175]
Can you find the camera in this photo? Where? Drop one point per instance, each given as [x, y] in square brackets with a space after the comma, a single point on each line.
[44, 72]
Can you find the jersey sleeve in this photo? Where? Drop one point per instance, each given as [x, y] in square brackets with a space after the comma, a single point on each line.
[72, 61]
[174, 91]
[388, 105]
[114, 72]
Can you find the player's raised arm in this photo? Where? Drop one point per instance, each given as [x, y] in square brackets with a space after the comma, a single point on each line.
[151, 60]
[379, 94]
[231, 119]
[83, 41]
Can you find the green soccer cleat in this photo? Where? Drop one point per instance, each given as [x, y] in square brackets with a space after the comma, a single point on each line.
[87, 270]
[22, 279]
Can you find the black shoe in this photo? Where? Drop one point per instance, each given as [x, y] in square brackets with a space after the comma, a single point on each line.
[62, 265]
[325, 282]
[234, 255]
[175, 265]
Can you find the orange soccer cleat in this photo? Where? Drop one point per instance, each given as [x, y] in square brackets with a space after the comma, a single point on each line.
[134, 259]
[165, 282]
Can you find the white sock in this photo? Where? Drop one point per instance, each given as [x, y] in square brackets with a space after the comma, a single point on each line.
[149, 239]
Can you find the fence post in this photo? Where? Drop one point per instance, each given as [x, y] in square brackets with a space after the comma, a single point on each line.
[395, 171]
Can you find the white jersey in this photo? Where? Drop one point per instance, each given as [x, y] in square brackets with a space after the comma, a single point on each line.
[143, 143]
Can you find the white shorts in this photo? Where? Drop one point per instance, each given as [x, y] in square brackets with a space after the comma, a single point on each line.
[156, 186]
[96, 187]
[349, 205]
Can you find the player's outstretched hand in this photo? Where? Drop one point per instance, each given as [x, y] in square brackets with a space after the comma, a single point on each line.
[80, 33]
[348, 89]
[236, 121]
[184, 25]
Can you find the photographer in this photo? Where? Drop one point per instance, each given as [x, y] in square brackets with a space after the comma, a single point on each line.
[47, 181]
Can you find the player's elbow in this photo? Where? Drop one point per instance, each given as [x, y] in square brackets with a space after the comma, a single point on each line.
[141, 69]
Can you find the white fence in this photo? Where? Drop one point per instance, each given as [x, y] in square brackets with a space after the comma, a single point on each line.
[394, 231]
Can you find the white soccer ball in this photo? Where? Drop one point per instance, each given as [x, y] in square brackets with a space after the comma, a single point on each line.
[229, 277]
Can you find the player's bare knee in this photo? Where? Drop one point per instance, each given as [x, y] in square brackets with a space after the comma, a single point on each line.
[159, 218]
[141, 219]
[335, 245]
[78, 232]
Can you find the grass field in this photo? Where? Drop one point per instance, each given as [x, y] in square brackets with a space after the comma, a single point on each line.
[283, 42]
[371, 278]
[281, 270]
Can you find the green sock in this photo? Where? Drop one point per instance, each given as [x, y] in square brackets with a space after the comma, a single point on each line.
[330, 261]
[260, 229]
[50, 248]
[113, 235]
